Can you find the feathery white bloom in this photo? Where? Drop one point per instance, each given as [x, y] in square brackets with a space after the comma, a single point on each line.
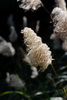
[58, 14]
[30, 4]
[61, 4]
[38, 53]
[59, 18]
[40, 56]
[30, 38]
[6, 48]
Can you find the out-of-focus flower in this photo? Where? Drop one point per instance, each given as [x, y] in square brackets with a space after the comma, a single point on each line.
[34, 72]
[13, 34]
[64, 45]
[56, 98]
[30, 4]
[37, 26]
[39, 93]
[38, 53]
[14, 81]
[61, 4]
[6, 48]
[24, 21]
[18, 0]
[59, 18]
[53, 36]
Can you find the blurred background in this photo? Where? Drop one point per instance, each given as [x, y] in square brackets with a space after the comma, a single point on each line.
[15, 74]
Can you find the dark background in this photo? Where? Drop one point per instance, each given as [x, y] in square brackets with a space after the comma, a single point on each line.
[11, 64]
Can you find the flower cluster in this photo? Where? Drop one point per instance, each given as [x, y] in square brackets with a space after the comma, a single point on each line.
[59, 18]
[60, 22]
[37, 52]
[30, 4]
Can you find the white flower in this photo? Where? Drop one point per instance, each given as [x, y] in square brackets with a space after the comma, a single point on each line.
[59, 18]
[14, 81]
[6, 48]
[30, 4]
[38, 53]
